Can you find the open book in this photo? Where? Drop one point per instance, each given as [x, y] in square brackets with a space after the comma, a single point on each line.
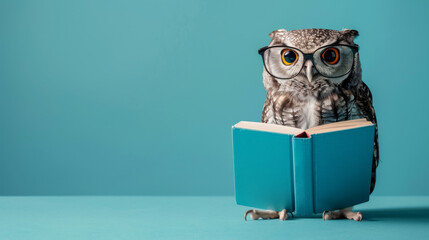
[327, 167]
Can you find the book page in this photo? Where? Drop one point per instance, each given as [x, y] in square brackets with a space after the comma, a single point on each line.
[337, 126]
[266, 127]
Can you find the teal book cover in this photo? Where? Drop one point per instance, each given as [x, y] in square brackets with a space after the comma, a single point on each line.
[327, 167]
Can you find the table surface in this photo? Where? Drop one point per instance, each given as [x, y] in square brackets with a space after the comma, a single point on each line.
[143, 217]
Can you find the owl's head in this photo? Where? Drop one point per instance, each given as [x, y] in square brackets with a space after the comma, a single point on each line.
[311, 55]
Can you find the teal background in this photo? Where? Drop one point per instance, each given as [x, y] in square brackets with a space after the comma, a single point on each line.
[138, 97]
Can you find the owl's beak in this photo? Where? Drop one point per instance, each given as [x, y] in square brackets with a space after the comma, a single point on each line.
[309, 70]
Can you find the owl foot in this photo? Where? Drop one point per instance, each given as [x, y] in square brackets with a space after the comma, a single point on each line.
[342, 214]
[266, 214]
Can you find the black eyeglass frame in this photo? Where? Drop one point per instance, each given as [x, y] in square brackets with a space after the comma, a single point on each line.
[308, 56]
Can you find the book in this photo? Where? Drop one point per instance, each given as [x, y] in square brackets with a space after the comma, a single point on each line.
[306, 172]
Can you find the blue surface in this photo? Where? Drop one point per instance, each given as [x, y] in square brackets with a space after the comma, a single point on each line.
[65, 218]
[137, 97]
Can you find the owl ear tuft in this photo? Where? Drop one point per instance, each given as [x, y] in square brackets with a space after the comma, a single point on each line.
[349, 34]
[277, 36]
[274, 33]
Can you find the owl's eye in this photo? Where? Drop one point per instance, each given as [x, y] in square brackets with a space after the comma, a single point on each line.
[331, 56]
[289, 56]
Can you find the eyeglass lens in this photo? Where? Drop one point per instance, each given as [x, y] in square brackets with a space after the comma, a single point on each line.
[330, 61]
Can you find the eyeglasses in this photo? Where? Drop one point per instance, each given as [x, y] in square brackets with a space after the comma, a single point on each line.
[286, 62]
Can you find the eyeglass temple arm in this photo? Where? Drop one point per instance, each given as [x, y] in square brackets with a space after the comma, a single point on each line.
[262, 50]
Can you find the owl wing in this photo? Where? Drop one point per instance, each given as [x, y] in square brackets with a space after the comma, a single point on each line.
[363, 100]
[266, 113]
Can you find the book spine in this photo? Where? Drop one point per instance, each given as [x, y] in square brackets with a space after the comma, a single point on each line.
[303, 176]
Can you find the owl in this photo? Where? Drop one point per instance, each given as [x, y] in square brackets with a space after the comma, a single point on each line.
[313, 77]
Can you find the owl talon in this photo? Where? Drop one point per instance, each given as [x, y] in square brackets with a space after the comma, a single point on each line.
[341, 214]
[357, 216]
[283, 215]
[266, 214]
[330, 215]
